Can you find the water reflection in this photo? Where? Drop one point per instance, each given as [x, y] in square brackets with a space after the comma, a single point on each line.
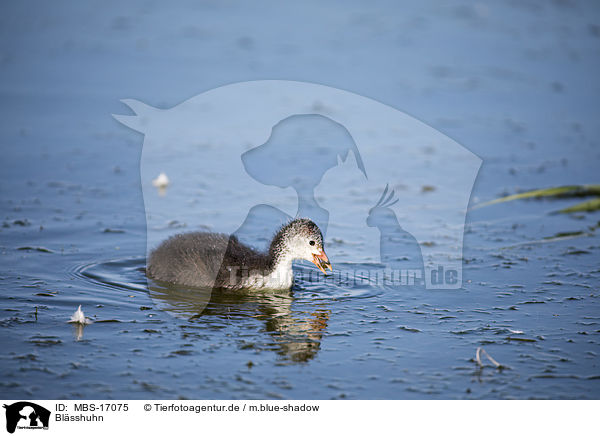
[78, 331]
[296, 336]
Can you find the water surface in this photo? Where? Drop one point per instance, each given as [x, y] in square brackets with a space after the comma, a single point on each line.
[515, 83]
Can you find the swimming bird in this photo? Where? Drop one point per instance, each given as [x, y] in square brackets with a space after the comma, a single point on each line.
[219, 261]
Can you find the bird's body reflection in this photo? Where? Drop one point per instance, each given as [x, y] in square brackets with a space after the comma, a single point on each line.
[296, 335]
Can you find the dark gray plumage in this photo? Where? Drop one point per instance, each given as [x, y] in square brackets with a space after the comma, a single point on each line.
[216, 260]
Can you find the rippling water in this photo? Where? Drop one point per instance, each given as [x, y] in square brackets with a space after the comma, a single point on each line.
[534, 308]
[73, 230]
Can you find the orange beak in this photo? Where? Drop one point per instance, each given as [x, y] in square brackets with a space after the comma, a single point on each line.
[322, 261]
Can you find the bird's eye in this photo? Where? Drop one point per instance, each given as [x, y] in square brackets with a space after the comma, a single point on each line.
[312, 242]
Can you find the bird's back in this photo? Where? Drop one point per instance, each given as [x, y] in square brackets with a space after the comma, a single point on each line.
[206, 260]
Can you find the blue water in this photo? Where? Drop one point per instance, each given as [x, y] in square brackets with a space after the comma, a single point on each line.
[516, 83]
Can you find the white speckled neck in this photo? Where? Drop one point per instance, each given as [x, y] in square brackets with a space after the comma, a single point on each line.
[281, 277]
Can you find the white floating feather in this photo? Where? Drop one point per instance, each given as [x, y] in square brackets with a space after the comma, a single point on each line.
[78, 317]
[161, 182]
